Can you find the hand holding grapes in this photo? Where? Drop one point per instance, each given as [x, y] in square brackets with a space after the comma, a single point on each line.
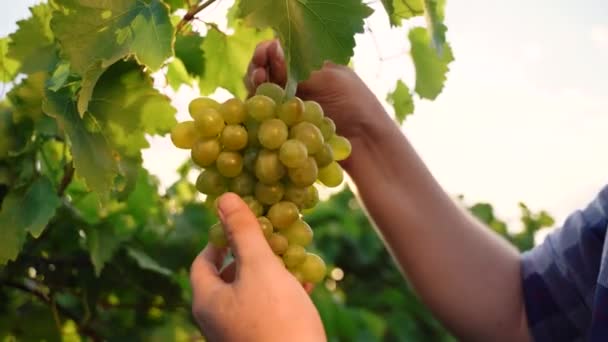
[343, 95]
[254, 298]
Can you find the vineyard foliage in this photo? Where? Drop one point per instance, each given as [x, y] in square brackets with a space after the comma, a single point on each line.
[90, 247]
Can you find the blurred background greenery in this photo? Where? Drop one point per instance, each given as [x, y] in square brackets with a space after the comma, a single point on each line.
[143, 248]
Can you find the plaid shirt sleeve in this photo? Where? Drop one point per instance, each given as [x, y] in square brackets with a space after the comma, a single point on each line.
[560, 275]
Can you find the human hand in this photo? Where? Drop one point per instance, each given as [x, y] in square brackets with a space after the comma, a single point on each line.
[254, 298]
[343, 95]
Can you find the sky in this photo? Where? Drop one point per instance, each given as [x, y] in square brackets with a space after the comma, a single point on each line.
[523, 115]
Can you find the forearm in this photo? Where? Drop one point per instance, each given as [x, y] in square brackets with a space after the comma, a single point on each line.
[466, 274]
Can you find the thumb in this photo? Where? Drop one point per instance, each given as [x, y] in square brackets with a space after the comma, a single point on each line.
[242, 230]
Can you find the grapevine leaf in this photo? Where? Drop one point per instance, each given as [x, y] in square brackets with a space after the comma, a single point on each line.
[24, 212]
[399, 10]
[33, 43]
[401, 100]
[8, 66]
[227, 58]
[103, 241]
[127, 107]
[176, 4]
[431, 66]
[144, 261]
[312, 31]
[93, 158]
[435, 14]
[27, 97]
[59, 76]
[94, 36]
[189, 48]
[177, 74]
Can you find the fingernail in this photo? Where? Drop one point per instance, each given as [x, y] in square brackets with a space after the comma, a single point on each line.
[227, 204]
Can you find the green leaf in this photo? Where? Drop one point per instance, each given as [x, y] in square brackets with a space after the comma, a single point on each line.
[24, 212]
[127, 107]
[177, 74]
[59, 76]
[435, 14]
[176, 4]
[93, 157]
[189, 49]
[431, 66]
[103, 241]
[8, 66]
[399, 10]
[94, 36]
[27, 97]
[401, 100]
[311, 32]
[227, 58]
[33, 43]
[147, 263]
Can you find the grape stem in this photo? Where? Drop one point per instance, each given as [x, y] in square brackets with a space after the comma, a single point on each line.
[188, 17]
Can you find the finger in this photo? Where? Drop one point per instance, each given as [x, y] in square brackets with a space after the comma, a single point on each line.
[258, 77]
[277, 65]
[260, 55]
[228, 274]
[243, 231]
[309, 287]
[204, 273]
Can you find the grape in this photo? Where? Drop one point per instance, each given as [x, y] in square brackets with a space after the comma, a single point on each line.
[341, 147]
[298, 233]
[261, 107]
[217, 237]
[294, 255]
[205, 151]
[328, 128]
[313, 268]
[229, 164]
[309, 134]
[266, 226]
[312, 198]
[293, 153]
[252, 127]
[197, 106]
[298, 275]
[305, 175]
[278, 243]
[269, 194]
[256, 207]
[249, 157]
[313, 113]
[243, 184]
[332, 175]
[184, 135]
[211, 182]
[296, 194]
[233, 111]
[268, 167]
[209, 123]
[272, 133]
[271, 90]
[234, 138]
[291, 112]
[324, 156]
[269, 151]
[283, 214]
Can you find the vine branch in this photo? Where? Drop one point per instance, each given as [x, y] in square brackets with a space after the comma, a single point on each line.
[192, 13]
[68, 175]
[43, 297]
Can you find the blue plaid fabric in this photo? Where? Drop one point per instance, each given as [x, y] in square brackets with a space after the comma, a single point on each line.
[565, 279]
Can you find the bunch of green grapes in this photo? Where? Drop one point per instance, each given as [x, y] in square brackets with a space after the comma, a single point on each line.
[272, 153]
